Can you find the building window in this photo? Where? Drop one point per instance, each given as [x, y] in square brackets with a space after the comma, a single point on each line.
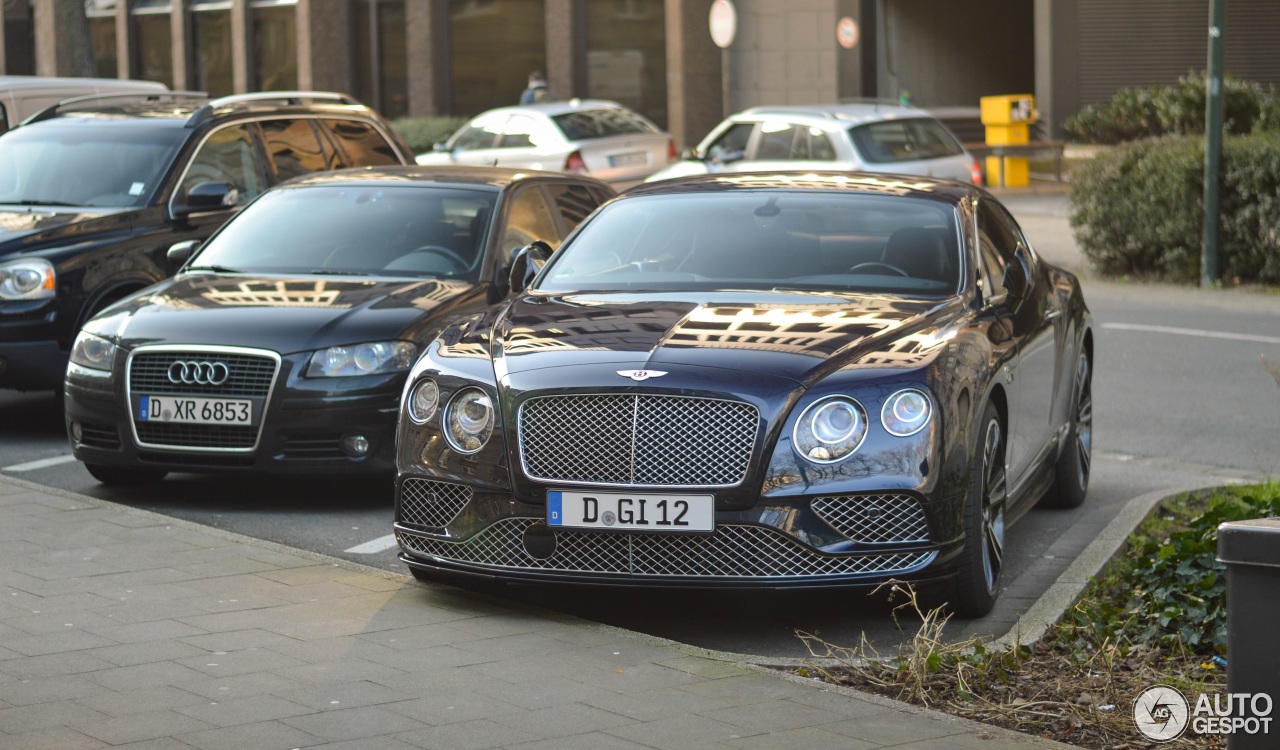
[101, 15]
[381, 62]
[493, 46]
[153, 50]
[275, 45]
[627, 55]
[211, 46]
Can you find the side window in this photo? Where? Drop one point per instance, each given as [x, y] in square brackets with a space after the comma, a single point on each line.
[481, 133]
[227, 155]
[820, 148]
[574, 202]
[529, 219]
[732, 143]
[360, 144]
[293, 148]
[517, 132]
[996, 245]
[777, 141]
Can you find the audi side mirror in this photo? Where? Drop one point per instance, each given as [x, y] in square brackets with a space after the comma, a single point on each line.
[526, 264]
[179, 253]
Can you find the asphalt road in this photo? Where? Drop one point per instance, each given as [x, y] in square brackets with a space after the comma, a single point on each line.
[1182, 398]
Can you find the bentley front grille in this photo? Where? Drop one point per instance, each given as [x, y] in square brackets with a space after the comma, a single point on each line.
[643, 439]
[874, 519]
[733, 551]
[431, 504]
[248, 375]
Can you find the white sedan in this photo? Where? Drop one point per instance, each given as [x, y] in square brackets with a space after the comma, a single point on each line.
[602, 139]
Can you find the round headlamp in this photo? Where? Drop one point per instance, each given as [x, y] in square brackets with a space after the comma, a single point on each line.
[906, 412]
[469, 420]
[423, 400]
[830, 429]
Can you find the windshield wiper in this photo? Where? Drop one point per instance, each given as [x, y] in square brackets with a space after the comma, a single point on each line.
[326, 272]
[42, 203]
[214, 268]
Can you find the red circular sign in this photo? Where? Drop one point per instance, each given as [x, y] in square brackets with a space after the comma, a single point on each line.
[847, 32]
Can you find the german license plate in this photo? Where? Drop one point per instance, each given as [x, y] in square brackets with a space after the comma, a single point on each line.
[627, 160]
[633, 511]
[194, 410]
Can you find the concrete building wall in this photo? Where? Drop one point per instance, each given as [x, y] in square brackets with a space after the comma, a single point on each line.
[784, 53]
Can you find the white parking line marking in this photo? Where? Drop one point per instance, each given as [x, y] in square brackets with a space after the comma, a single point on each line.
[374, 547]
[40, 464]
[1193, 332]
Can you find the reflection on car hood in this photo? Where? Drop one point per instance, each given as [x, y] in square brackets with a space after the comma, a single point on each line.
[285, 314]
[17, 224]
[784, 334]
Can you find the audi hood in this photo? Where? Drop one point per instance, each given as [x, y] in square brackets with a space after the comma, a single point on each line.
[282, 313]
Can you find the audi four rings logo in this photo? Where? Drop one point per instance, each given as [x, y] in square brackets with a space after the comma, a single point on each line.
[198, 373]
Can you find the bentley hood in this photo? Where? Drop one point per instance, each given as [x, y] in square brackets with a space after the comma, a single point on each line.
[791, 335]
[285, 314]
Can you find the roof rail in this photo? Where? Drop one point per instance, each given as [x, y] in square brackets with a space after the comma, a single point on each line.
[790, 110]
[151, 96]
[874, 100]
[289, 97]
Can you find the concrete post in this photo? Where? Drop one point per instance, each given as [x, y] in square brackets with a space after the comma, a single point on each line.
[1251, 550]
[567, 47]
[694, 78]
[324, 45]
[180, 33]
[425, 27]
[241, 47]
[124, 42]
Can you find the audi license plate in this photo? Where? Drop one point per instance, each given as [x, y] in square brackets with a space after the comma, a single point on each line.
[631, 511]
[195, 410]
[626, 160]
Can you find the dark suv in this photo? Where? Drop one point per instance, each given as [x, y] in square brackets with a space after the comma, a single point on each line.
[95, 190]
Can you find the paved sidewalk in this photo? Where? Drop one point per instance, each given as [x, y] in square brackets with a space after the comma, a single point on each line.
[123, 628]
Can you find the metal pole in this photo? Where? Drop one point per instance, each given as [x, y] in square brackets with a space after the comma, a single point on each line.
[1209, 265]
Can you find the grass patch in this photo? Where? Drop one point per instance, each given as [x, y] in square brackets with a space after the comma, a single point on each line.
[1155, 615]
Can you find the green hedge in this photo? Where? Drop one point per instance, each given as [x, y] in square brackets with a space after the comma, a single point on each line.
[1136, 113]
[1138, 210]
[421, 133]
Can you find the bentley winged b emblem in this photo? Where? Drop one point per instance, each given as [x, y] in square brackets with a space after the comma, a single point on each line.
[638, 375]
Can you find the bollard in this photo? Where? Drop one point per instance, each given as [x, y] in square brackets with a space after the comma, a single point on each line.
[1251, 550]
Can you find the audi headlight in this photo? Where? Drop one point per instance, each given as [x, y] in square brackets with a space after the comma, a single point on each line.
[468, 420]
[93, 352]
[830, 429]
[906, 412]
[31, 278]
[423, 400]
[362, 359]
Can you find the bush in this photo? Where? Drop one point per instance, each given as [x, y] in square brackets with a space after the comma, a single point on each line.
[422, 133]
[1178, 109]
[1138, 210]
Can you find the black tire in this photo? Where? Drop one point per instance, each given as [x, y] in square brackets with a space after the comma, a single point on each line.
[121, 476]
[977, 582]
[1071, 481]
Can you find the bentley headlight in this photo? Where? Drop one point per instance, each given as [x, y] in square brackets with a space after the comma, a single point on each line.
[830, 429]
[93, 352]
[31, 278]
[423, 400]
[906, 412]
[469, 420]
[362, 359]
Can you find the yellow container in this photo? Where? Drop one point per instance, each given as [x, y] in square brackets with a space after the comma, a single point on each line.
[1017, 172]
[1004, 135]
[1008, 109]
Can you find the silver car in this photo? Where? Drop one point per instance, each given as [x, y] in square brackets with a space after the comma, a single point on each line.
[867, 137]
[602, 139]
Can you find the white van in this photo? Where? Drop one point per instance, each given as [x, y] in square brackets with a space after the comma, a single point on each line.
[23, 96]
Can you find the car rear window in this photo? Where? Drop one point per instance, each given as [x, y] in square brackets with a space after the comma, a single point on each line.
[892, 141]
[600, 123]
[805, 241]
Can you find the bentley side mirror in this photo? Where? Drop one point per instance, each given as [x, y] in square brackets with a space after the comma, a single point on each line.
[526, 264]
[179, 253]
[208, 196]
[1017, 278]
